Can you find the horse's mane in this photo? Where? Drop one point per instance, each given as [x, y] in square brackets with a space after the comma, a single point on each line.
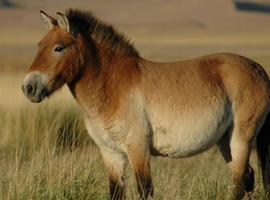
[104, 34]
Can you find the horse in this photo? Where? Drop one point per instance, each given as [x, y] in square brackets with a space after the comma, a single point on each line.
[135, 108]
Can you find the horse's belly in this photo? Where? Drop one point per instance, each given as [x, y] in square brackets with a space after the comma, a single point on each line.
[186, 137]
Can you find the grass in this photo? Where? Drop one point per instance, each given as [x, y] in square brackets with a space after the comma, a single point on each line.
[45, 153]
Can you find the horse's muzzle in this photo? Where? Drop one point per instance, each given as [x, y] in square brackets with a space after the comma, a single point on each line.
[34, 88]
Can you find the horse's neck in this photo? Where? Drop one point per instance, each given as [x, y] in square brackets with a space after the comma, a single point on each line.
[102, 86]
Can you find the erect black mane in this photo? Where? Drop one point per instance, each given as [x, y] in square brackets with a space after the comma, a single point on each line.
[88, 25]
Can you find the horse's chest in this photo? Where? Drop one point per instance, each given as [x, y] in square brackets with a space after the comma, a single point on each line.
[105, 139]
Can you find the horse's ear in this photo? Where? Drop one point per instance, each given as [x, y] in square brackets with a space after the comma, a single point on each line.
[63, 22]
[48, 20]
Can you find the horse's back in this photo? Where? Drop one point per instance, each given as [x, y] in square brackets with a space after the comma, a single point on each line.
[191, 104]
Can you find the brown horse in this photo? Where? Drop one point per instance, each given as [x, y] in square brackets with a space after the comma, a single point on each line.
[136, 108]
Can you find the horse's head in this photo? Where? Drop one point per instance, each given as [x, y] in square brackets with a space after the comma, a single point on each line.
[59, 59]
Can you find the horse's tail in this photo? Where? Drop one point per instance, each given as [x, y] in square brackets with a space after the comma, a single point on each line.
[263, 149]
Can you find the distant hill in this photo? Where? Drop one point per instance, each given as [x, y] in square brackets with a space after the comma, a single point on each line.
[177, 27]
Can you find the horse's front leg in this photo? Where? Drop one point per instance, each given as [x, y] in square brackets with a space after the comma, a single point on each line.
[115, 163]
[139, 157]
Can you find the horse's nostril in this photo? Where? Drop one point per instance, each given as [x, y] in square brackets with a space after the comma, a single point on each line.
[30, 89]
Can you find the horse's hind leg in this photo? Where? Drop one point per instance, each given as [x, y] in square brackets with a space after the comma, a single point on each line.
[249, 179]
[235, 148]
[240, 151]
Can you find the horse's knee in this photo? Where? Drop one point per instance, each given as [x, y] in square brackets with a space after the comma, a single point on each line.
[139, 158]
[145, 185]
[144, 180]
[117, 189]
[142, 171]
[115, 165]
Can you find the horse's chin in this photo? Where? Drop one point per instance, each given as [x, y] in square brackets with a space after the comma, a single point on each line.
[36, 100]
[40, 97]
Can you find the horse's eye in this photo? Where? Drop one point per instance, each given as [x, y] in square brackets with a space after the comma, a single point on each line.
[59, 49]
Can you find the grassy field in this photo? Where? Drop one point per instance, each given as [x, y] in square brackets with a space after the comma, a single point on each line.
[45, 152]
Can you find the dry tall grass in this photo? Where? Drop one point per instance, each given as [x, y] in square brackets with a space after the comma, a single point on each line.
[45, 153]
